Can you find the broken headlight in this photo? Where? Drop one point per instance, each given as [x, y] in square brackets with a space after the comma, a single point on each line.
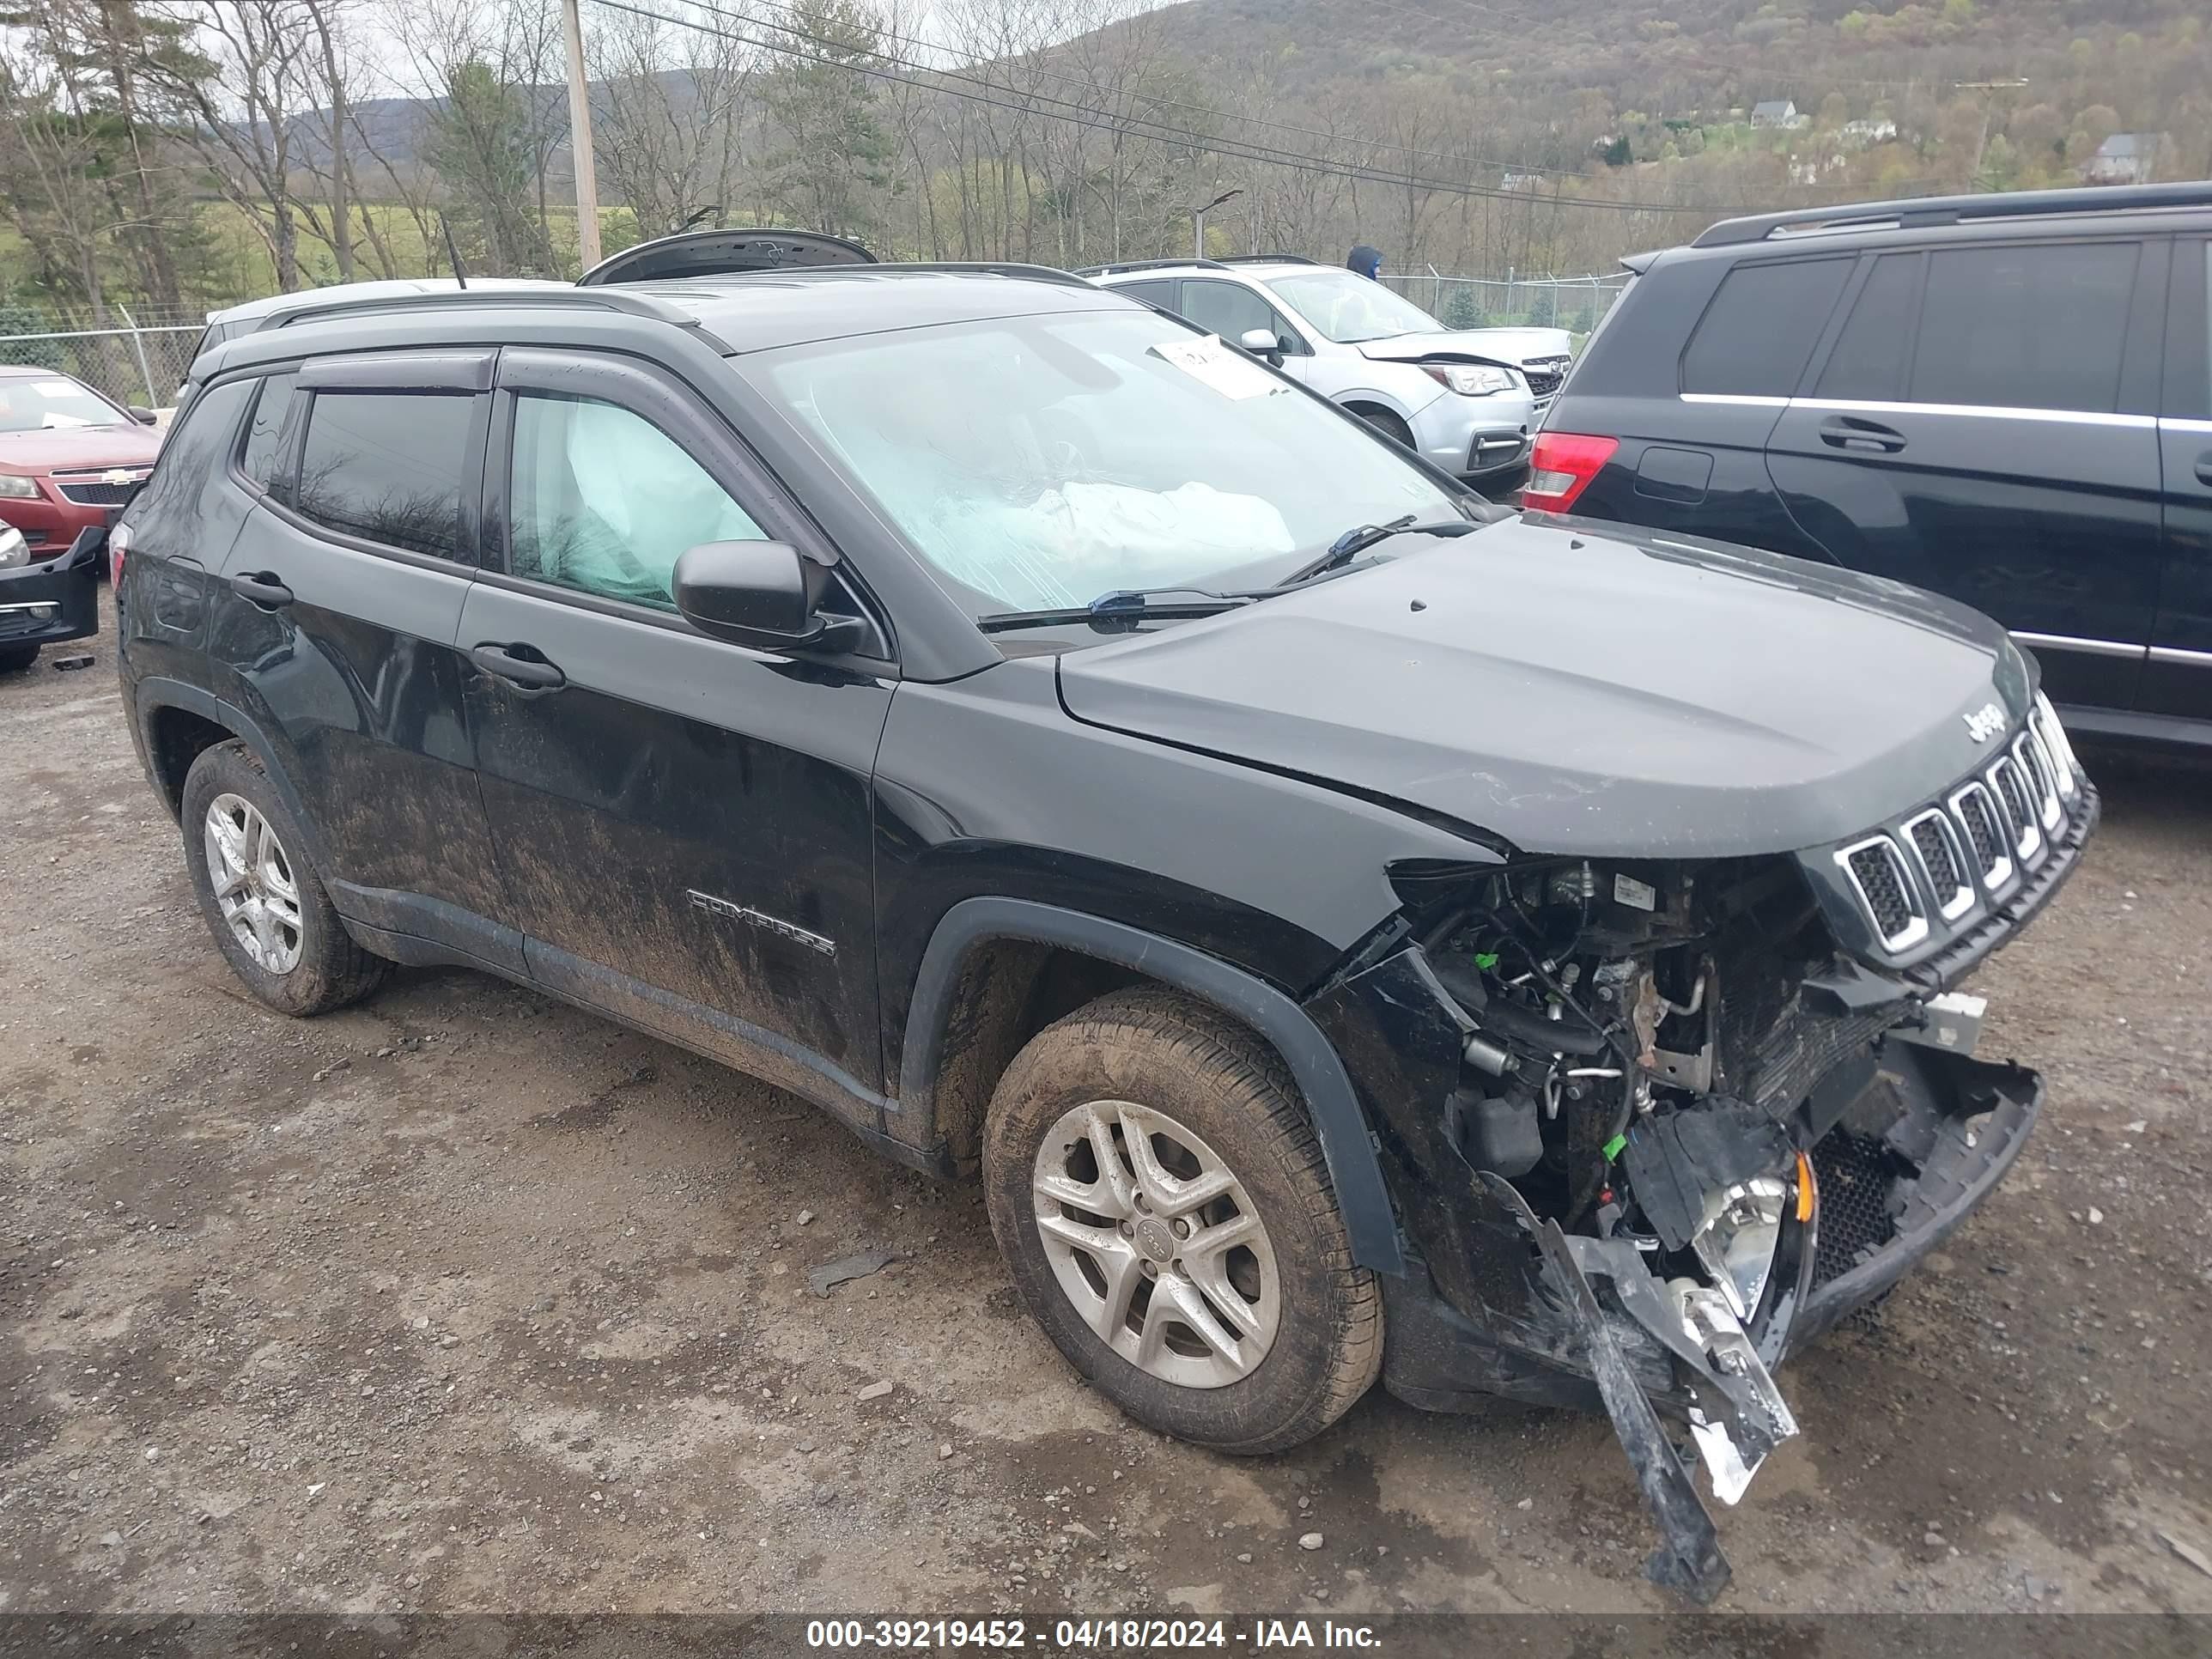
[1470, 379]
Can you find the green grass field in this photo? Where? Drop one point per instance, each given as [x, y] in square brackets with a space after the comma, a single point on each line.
[234, 262]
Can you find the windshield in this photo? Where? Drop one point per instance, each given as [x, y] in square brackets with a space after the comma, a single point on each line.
[27, 405]
[1040, 462]
[1350, 308]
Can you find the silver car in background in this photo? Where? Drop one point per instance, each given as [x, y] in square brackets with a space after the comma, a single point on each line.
[1468, 400]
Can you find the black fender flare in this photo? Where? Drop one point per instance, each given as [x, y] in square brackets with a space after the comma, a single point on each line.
[1354, 1168]
[154, 693]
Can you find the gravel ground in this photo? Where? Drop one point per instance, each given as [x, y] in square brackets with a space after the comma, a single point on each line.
[462, 1299]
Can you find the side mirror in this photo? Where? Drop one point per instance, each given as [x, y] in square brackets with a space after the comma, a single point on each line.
[1262, 342]
[143, 416]
[757, 593]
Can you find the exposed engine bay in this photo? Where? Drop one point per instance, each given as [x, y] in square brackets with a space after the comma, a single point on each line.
[1703, 1116]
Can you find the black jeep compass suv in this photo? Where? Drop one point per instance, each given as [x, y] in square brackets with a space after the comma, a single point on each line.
[1352, 931]
[2004, 398]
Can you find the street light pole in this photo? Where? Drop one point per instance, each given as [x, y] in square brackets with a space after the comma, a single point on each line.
[579, 139]
[1198, 221]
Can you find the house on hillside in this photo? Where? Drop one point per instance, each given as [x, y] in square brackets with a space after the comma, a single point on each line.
[1776, 113]
[1866, 132]
[2125, 158]
[1521, 181]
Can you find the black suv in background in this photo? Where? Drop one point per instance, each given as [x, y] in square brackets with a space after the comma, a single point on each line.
[1065, 750]
[2003, 399]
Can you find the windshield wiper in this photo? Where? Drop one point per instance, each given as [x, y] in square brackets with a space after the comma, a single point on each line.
[1160, 604]
[1358, 540]
[1122, 604]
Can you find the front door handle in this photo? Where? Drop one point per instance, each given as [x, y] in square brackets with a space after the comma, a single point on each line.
[1868, 437]
[261, 588]
[2204, 468]
[533, 673]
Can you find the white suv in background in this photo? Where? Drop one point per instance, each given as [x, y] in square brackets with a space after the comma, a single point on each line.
[1467, 399]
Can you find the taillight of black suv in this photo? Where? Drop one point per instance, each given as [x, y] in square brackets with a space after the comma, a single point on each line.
[1561, 466]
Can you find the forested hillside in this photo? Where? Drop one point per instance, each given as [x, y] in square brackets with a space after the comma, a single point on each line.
[166, 152]
[1583, 99]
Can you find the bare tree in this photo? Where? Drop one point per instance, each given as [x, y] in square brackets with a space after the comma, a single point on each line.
[48, 152]
[245, 118]
[671, 110]
[83, 176]
[495, 121]
[327, 19]
[832, 157]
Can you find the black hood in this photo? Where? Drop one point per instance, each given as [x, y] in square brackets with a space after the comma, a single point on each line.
[720, 253]
[1572, 689]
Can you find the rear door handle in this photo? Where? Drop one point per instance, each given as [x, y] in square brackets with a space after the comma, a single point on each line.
[532, 672]
[2204, 468]
[1868, 437]
[262, 587]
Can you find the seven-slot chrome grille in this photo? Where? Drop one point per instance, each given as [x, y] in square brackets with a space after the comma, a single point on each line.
[1972, 849]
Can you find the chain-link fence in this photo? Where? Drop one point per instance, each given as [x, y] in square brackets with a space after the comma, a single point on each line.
[142, 365]
[1574, 303]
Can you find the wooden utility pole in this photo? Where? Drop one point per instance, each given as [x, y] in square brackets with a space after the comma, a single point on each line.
[579, 139]
[1988, 89]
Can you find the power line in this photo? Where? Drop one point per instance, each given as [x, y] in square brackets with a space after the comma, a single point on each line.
[1158, 99]
[1231, 149]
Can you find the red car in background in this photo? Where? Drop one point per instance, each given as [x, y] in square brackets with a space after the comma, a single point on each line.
[68, 457]
[69, 461]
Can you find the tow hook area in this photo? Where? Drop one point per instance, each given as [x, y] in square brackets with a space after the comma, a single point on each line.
[1735, 1413]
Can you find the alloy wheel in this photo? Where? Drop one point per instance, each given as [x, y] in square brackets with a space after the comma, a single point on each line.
[1153, 1238]
[252, 882]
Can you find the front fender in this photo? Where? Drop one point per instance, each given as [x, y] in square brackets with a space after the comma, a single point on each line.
[1401, 388]
[1337, 1120]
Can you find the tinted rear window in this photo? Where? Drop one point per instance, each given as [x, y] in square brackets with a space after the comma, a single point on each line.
[1869, 362]
[387, 466]
[1754, 337]
[2029, 327]
[192, 453]
[1152, 294]
[264, 430]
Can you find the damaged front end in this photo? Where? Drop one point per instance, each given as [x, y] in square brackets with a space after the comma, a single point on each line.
[1652, 1125]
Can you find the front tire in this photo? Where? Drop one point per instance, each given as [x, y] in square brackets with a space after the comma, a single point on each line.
[260, 892]
[1158, 1192]
[14, 658]
[1388, 424]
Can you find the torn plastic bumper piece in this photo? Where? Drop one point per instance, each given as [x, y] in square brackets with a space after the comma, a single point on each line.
[1735, 1414]
[1689, 1558]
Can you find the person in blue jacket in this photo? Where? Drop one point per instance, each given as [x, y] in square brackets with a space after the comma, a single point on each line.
[1367, 261]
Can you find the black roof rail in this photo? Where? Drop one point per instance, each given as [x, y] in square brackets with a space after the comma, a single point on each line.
[1148, 265]
[1266, 260]
[989, 267]
[880, 267]
[589, 299]
[1920, 212]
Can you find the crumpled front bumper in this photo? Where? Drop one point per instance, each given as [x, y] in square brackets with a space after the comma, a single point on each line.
[1904, 1138]
[52, 600]
[1960, 1156]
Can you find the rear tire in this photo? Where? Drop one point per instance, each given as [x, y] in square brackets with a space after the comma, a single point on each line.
[14, 658]
[1247, 1347]
[260, 892]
